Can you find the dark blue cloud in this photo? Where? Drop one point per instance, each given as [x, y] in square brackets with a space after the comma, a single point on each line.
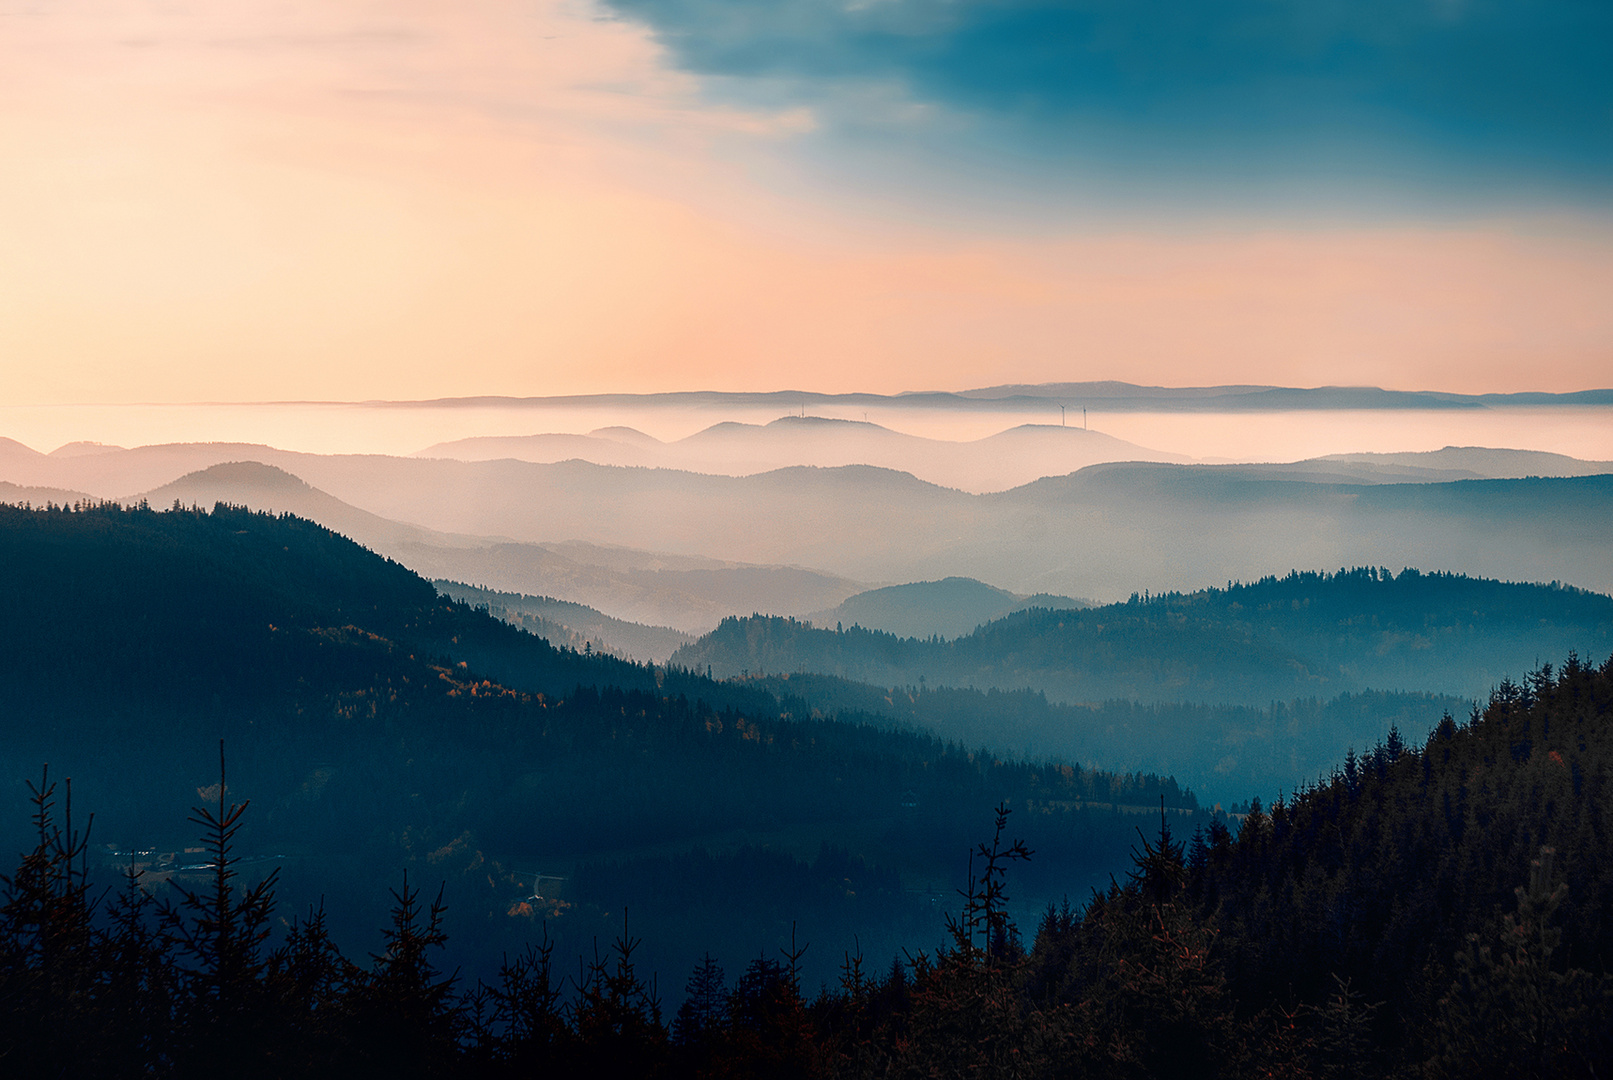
[1513, 86]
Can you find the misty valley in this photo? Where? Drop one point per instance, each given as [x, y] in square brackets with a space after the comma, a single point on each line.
[799, 540]
[636, 763]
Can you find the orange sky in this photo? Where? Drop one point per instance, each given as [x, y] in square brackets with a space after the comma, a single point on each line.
[350, 201]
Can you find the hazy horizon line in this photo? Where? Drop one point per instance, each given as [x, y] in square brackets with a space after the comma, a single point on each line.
[1113, 391]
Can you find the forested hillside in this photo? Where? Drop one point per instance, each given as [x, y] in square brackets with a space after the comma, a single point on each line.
[949, 608]
[569, 625]
[1225, 753]
[1437, 911]
[376, 725]
[1300, 636]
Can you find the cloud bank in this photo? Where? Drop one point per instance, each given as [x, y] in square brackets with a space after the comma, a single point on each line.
[1515, 90]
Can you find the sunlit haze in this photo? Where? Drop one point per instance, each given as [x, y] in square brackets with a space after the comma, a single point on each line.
[357, 201]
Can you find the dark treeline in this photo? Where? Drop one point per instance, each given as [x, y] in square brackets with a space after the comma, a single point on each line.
[210, 590]
[1432, 911]
[1300, 636]
[365, 726]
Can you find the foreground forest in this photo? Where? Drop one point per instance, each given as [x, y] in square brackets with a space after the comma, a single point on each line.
[1433, 911]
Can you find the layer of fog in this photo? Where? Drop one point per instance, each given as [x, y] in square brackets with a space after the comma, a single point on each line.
[803, 540]
[1583, 432]
[998, 462]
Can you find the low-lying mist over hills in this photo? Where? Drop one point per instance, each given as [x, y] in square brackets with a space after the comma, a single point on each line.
[1007, 459]
[1210, 424]
[1101, 533]
[687, 592]
[683, 548]
[573, 626]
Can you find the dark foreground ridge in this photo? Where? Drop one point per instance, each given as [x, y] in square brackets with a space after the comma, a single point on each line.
[1437, 911]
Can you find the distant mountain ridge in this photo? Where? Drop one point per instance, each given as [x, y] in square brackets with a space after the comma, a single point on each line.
[1101, 532]
[1116, 396]
[1303, 635]
[636, 587]
[951, 607]
[994, 463]
[1474, 463]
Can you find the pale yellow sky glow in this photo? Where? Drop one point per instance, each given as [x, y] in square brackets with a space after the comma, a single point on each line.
[347, 201]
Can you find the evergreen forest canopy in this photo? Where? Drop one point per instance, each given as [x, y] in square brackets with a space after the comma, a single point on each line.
[1437, 911]
[1304, 635]
[1254, 687]
[1225, 753]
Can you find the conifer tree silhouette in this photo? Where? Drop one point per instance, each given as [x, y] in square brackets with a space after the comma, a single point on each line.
[518, 1024]
[408, 1019]
[220, 932]
[309, 980]
[48, 961]
[138, 991]
[967, 1016]
[704, 1012]
[1509, 1012]
[1160, 997]
[617, 1014]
